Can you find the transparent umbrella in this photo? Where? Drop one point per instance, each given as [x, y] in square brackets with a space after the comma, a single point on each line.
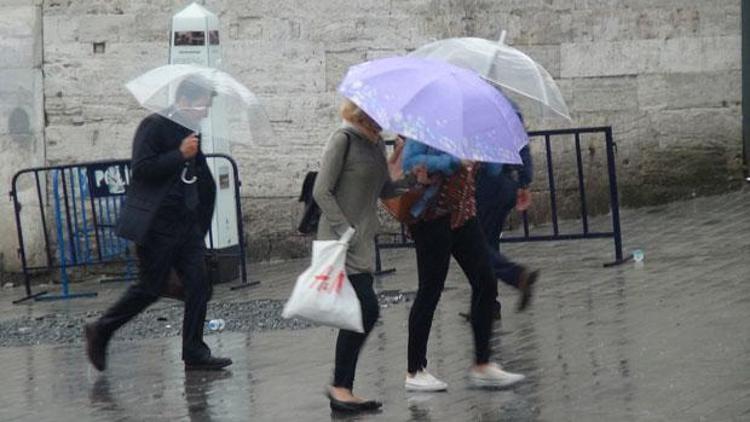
[242, 117]
[504, 66]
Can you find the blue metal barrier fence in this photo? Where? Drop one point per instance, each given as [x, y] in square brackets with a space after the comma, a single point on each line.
[85, 202]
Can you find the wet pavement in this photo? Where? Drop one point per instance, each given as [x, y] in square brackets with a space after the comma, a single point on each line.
[664, 340]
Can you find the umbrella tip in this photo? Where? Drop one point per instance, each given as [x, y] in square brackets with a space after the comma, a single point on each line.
[502, 37]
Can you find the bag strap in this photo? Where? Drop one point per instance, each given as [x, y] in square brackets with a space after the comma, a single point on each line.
[348, 143]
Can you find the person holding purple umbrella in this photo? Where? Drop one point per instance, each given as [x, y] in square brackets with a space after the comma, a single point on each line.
[454, 111]
[448, 227]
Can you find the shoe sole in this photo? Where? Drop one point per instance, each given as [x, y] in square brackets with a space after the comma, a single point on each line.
[485, 383]
[206, 367]
[425, 389]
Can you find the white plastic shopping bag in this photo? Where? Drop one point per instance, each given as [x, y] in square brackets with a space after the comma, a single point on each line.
[323, 293]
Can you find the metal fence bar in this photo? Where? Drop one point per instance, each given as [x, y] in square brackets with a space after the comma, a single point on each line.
[43, 218]
[552, 191]
[614, 197]
[83, 188]
[581, 187]
[95, 225]
[21, 246]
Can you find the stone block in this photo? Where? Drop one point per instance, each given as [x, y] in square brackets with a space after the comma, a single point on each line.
[265, 68]
[265, 28]
[276, 171]
[88, 142]
[610, 25]
[111, 28]
[689, 90]
[650, 56]
[604, 94]
[546, 55]
[21, 92]
[60, 29]
[20, 37]
[301, 117]
[651, 4]
[721, 21]
[338, 62]
[73, 70]
[697, 128]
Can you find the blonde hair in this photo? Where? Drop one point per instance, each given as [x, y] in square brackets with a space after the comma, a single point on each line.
[353, 114]
[350, 111]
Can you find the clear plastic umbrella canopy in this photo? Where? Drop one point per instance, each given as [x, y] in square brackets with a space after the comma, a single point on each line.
[235, 110]
[504, 66]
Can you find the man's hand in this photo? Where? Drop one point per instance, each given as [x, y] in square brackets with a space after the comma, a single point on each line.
[189, 146]
[523, 199]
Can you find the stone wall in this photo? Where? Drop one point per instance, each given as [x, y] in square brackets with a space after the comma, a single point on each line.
[665, 74]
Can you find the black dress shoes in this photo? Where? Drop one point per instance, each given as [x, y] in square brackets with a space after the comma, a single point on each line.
[526, 287]
[208, 364]
[96, 346]
[353, 406]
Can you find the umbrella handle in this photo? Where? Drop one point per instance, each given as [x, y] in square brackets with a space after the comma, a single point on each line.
[184, 178]
[502, 37]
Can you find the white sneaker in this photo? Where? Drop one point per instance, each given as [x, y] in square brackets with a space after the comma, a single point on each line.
[492, 376]
[424, 381]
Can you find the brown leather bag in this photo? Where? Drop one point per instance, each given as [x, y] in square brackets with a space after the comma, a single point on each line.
[400, 206]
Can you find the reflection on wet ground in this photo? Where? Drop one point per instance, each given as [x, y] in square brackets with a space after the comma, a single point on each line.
[663, 340]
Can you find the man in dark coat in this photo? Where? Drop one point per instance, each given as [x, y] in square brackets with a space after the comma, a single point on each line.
[500, 188]
[167, 213]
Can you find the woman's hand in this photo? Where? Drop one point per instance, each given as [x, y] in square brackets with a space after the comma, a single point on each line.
[422, 176]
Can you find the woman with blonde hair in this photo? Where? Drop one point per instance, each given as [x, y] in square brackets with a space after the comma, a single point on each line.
[353, 175]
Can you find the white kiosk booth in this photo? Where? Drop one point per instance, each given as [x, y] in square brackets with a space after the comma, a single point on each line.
[195, 40]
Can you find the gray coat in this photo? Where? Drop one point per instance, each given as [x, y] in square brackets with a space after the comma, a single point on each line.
[347, 193]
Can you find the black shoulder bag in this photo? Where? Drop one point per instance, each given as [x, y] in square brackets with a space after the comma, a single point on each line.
[311, 217]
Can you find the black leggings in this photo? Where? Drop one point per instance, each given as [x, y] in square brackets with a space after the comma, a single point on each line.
[350, 343]
[435, 243]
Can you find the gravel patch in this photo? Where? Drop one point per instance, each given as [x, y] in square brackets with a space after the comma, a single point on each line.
[164, 320]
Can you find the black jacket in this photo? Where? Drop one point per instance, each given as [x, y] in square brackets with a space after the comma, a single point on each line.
[156, 165]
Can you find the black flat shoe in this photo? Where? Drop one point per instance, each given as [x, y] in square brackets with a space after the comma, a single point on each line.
[210, 364]
[352, 406]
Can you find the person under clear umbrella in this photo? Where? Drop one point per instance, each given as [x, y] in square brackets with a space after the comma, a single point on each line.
[499, 189]
[167, 213]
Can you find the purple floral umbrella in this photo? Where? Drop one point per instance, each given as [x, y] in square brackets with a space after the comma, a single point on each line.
[444, 106]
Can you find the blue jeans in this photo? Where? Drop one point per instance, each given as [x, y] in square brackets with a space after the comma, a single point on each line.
[496, 197]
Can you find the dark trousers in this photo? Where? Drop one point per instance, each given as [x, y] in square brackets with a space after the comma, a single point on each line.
[435, 243]
[349, 343]
[179, 245]
[496, 198]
